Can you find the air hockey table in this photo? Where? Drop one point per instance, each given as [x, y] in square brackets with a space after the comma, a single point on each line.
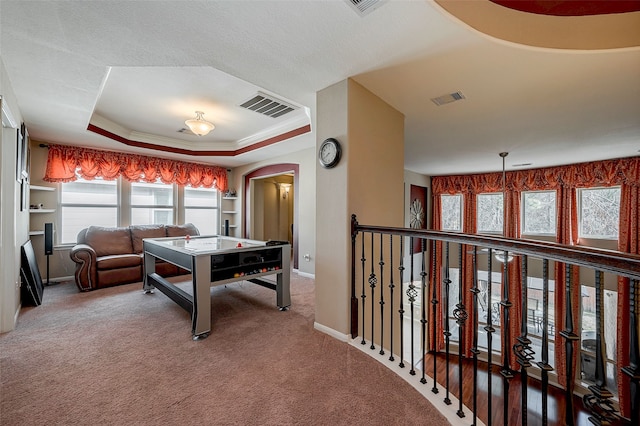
[216, 260]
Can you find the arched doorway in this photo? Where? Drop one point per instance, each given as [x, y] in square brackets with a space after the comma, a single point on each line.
[270, 171]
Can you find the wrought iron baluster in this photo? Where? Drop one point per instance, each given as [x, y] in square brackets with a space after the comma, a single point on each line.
[447, 332]
[474, 323]
[522, 349]
[461, 315]
[401, 295]
[434, 305]
[506, 371]
[545, 368]
[490, 330]
[599, 401]
[411, 294]
[373, 280]
[354, 299]
[363, 296]
[423, 319]
[381, 263]
[570, 338]
[391, 287]
[633, 369]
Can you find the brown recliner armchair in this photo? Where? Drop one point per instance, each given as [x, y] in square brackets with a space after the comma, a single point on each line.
[106, 257]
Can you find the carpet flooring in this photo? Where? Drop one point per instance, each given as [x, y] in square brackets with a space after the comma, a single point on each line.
[116, 356]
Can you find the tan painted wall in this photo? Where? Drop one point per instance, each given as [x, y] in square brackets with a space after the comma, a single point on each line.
[367, 182]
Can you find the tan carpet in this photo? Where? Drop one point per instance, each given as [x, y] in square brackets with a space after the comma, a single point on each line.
[117, 356]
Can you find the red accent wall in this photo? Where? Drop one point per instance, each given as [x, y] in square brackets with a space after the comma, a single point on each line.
[571, 7]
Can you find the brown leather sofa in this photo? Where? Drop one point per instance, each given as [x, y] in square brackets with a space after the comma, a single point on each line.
[111, 256]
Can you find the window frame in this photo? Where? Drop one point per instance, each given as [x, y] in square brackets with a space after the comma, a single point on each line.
[460, 212]
[217, 207]
[581, 235]
[62, 205]
[495, 193]
[173, 207]
[523, 213]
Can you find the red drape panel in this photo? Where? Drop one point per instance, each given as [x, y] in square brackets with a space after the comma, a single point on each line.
[436, 277]
[566, 233]
[629, 242]
[67, 163]
[512, 228]
[469, 227]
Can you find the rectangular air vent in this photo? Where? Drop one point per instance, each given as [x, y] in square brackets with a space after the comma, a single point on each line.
[363, 7]
[447, 99]
[268, 105]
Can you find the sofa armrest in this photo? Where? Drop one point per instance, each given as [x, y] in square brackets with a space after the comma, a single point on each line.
[86, 266]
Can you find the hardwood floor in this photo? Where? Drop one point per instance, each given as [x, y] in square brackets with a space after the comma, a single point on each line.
[556, 406]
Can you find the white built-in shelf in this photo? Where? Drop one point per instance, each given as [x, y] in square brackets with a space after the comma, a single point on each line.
[229, 211]
[230, 226]
[36, 232]
[41, 188]
[42, 210]
[229, 198]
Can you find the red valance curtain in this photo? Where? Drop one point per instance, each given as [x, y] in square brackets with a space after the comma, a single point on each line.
[68, 163]
[565, 180]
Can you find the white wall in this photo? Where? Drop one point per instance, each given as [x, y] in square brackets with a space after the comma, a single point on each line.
[306, 160]
[13, 222]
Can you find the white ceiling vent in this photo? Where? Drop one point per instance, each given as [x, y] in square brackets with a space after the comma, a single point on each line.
[363, 7]
[447, 99]
[268, 105]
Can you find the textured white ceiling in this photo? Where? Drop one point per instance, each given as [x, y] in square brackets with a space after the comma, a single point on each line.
[146, 66]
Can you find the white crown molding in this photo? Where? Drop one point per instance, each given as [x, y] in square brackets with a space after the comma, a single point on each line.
[8, 119]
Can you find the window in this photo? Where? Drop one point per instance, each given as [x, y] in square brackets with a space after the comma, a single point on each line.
[535, 316]
[539, 212]
[84, 203]
[151, 203]
[489, 213]
[201, 209]
[454, 300]
[599, 213]
[588, 339]
[451, 213]
[489, 308]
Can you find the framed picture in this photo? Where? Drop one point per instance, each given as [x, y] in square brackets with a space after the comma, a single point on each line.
[417, 212]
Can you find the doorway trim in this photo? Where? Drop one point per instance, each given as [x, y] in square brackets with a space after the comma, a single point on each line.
[270, 170]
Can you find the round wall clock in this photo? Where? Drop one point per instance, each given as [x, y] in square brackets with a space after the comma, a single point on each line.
[329, 153]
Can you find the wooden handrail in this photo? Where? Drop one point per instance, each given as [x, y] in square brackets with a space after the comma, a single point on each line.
[623, 264]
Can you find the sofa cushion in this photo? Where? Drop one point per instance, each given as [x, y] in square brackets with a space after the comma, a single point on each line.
[108, 241]
[182, 230]
[118, 261]
[138, 232]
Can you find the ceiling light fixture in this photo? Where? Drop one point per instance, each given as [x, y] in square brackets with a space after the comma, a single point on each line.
[199, 125]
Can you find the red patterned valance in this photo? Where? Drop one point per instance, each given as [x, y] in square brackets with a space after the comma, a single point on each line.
[68, 163]
[601, 173]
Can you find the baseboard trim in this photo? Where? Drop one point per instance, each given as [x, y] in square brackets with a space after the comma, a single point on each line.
[331, 332]
[437, 400]
[305, 274]
[59, 279]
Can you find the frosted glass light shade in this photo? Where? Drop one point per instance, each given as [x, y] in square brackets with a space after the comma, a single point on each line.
[199, 125]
